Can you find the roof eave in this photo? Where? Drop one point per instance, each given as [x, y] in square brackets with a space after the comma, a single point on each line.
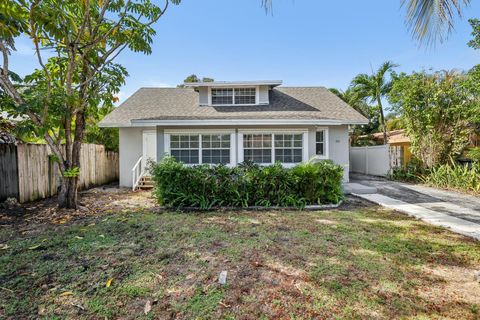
[231, 122]
[272, 83]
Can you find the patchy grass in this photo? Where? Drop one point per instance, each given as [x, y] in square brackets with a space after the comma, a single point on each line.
[355, 262]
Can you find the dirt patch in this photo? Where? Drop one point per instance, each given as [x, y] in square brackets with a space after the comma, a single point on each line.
[93, 202]
[454, 283]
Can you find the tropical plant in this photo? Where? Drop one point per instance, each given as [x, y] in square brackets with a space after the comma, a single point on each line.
[432, 20]
[65, 92]
[411, 172]
[373, 88]
[352, 98]
[440, 111]
[455, 176]
[204, 187]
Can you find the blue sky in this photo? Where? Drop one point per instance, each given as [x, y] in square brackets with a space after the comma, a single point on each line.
[304, 43]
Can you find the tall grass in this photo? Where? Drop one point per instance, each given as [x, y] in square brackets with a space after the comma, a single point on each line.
[454, 176]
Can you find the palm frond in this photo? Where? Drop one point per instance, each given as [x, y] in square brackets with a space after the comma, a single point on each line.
[430, 21]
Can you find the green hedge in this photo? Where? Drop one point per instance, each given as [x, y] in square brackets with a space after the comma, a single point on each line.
[178, 185]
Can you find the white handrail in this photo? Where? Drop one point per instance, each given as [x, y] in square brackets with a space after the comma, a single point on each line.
[137, 173]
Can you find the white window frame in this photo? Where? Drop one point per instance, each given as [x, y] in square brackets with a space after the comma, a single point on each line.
[325, 143]
[303, 132]
[199, 132]
[257, 95]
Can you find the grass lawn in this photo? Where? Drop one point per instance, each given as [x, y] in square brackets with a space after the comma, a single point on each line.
[359, 261]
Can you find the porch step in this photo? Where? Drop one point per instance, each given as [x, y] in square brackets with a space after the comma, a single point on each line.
[145, 183]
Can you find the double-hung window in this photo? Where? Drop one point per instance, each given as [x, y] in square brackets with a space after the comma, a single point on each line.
[266, 148]
[288, 148]
[257, 148]
[185, 148]
[245, 96]
[320, 143]
[200, 148]
[215, 148]
[222, 96]
[233, 96]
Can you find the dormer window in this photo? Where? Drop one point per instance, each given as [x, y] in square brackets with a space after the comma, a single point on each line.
[234, 96]
[222, 96]
[245, 96]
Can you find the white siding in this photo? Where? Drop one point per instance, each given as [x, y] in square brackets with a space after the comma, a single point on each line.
[337, 146]
[263, 95]
[203, 96]
[130, 149]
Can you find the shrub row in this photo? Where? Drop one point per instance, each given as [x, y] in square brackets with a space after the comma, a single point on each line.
[178, 185]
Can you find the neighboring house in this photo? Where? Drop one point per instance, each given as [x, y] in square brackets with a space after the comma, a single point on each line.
[399, 143]
[230, 122]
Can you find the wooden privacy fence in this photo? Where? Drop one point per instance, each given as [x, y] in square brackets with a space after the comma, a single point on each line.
[28, 173]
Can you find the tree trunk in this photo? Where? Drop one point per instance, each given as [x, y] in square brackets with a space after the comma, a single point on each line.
[382, 120]
[68, 192]
[67, 198]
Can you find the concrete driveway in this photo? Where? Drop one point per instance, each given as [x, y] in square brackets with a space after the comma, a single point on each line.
[429, 204]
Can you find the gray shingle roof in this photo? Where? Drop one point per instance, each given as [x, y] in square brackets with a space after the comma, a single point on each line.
[299, 103]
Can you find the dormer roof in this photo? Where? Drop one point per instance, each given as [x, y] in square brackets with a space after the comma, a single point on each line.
[271, 83]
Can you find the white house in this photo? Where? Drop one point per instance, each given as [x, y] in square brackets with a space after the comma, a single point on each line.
[230, 122]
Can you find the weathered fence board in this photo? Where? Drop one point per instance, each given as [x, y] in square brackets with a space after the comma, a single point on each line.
[8, 172]
[37, 175]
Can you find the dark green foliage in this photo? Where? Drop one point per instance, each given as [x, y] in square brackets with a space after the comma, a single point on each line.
[204, 186]
[412, 172]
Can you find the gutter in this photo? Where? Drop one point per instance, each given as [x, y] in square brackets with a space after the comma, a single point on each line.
[220, 122]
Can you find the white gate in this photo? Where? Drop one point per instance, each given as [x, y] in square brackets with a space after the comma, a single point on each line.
[374, 160]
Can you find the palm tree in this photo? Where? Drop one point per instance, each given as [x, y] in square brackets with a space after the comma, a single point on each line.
[374, 87]
[353, 99]
[432, 20]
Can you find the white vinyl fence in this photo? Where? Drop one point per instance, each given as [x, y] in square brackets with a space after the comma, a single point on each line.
[374, 160]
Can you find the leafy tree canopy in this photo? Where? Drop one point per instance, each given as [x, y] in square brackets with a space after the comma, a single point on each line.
[194, 78]
[80, 77]
[440, 110]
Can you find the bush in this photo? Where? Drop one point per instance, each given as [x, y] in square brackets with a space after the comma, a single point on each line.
[412, 172]
[455, 176]
[203, 186]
